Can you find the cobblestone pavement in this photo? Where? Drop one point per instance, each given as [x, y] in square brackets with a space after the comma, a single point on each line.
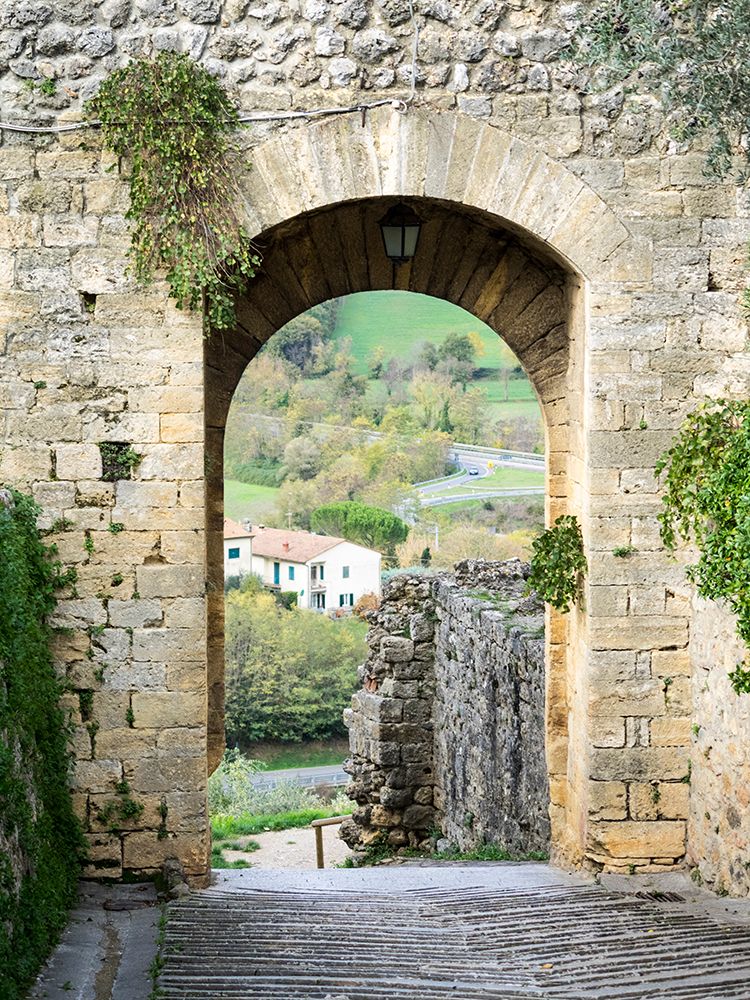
[499, 932]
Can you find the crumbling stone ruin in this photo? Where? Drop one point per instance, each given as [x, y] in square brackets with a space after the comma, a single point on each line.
[447, 732]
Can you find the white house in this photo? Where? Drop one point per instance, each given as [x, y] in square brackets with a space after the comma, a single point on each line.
[238, 549]
[326, 573]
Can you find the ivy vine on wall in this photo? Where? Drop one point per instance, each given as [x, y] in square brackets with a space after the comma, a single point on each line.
[176, 124]
[40, 840]
[707, 501]
[558, 563]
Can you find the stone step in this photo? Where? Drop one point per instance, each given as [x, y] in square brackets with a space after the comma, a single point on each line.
[496, 932]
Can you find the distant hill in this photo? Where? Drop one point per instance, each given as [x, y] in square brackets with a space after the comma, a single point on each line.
[400, 321]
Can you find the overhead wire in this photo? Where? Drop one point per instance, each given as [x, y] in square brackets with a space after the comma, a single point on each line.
[399, 104]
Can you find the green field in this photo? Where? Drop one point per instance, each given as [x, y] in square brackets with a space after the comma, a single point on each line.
[245, 500]
[514, 408]
[400, 321]
[501, 479]
[519, 390]
[509, 477]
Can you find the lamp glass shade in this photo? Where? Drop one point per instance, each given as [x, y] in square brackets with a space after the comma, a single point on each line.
[400, 228]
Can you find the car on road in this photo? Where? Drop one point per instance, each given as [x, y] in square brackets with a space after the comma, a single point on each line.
[473, 470]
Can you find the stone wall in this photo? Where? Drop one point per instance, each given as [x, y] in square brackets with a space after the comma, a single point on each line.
[719, 823]
[490, 763]
[448, 729]
[390, 722]
[280, 53]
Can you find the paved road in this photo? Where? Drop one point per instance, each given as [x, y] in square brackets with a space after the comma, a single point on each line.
[440, 501]
[307, 776]
[481, 464]
[483, 932]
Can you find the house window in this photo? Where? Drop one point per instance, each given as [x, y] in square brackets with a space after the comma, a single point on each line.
[319, 601]
[346, 572]
[291, 572]
[233, 554]
[316, 573]
[346, 600]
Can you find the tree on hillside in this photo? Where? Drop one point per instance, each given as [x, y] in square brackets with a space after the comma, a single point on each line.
[430, 391]
[289, 673]
[368, 526]
[305, 341]
[376, 362]
[298, 498]
[296, 342]
[444, 420]
[345, 478]
[469, 415]
[303, 458]
[428, 356]
[458, 357]
[265, 384]
[458, 346]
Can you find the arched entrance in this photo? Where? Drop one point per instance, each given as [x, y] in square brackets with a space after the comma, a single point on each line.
[508, 235]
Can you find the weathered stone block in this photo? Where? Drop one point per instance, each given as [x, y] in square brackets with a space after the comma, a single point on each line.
[78, 461]
[639, 764]
[395, 649]
[135, 614]
[630, 839]
[170, 581]
[607, 800]
[165, 644]
[173, 708]
[670, 732]
[96, 775]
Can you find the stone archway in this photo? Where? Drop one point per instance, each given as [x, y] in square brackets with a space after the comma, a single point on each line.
[512, 237]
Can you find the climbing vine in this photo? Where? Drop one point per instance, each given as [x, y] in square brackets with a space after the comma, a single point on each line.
[558, 563]
[693, 57]
[175, 122]
[707, 501]
[40, 841]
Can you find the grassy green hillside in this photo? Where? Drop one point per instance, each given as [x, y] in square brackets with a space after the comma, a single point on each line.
[508, 478]
[401, 321]
[245, 500]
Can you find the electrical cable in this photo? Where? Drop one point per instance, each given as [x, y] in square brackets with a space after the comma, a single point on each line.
[398, 104]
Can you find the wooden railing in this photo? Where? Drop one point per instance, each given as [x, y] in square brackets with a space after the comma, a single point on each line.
[317, 825]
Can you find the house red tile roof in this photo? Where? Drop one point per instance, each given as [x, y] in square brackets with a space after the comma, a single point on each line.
[234, 530]
[293, 546]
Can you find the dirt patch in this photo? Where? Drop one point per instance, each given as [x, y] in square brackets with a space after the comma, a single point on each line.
[290, 848]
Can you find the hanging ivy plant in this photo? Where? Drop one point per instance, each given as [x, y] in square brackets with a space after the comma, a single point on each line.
[176, 124]
[707, 501]
[558, 563]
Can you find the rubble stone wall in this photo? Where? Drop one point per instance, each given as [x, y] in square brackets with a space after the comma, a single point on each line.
[448, 730]
[490, 763]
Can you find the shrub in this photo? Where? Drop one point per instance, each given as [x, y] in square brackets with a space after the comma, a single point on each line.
[365, 604]
[237, 807]
[41, 839]
[707, 500]
[558, 563]
[289, 672]
[261, 472]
